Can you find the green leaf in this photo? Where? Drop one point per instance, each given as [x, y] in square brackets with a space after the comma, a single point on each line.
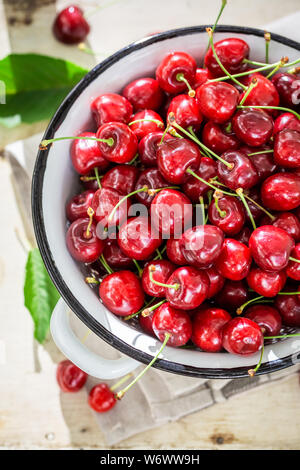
[40, 294]
[34, 86]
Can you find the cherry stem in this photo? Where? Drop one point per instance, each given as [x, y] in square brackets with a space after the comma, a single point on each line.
[140, 190]
[174, 133]
[252, 85]
[90, 213]
[191, 172]
[224, 2]
[147, 311]
[288, 293]
[209, 196]
[164, 134]
[283, 336]
[231, 77]
[217, 195]
[43, 145]
[133, 160]
[105, 264]
[121, 381]
[272, 217]
[160, 253]
[267, 37]
[239, 310]
[284, 60]
[191, 130]
[240, 193]
[141, 309]
[156, 121]
[152, 269]
[85, 179]
[140, 271]
[201, 199]
[181, 78]
[91, 280]
[294, 259]
[97, 178]
[280, 108]
[252, 372]
[120, 394]
[260, 152]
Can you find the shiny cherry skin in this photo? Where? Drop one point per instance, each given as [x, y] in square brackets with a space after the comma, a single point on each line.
[163, 270]
[168, 319]
[242, 175]
[256, 212]
[146, 323]
[171, 212]
[115, 256]
[287, 85]
[153, 179]
[267, 317]
[121, 178]
[271, 247]
[242, 336]
[281, 192]
[243, 236]
[231, 52]
[252, 126]
[234, 261]
[194, 188]
[121, 292]
[287, 148]
[83, 247]
[104, 201]
[289, 309]
[125, 144]
[138, 239]
[78, 205]
[175, 156]
[186, 112]
[148, 148]
[202, 75]
[111, 107]
[263, 162]
[193, 288]
[216, 282]
[101, 398]
[173, 64]
[264, 94]
[174, 252]
[86, 154]
[208, 328]
[70, 26]
[293, 268]
[144, 93]
[286, 121]
[201, 245]
[234, 219]
[266, 283]
[290, 223]
[217, 100]
[141, 129]
[233, 295]
[218, 139]
[69, 377]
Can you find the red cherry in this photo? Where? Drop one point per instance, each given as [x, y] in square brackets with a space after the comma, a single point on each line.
[167, 319]
[175, 156]
[162, 272]
[101, 398]
[243, 236]
[267, 318]
[144, 93]
[231, 52]
[146, 323]
[231, 219]
[171, 67]
[78, 205]
[115, 256]
[122, 293]
[208, 328]
[242, 336]
[121, 178]
[271, 247]
[141, 129]
[192, 288]
[137, 239]
[201, 245]
[216, 282]
[286, 121]
[253, 126]
[287, 85]
[256, 212]
[152, 178]
[293, 268]
[290, 223]
[218, 139]
[70, 26]
[84, 247]
[233, 295]
[124, 146]
[281, 192]
[289, 309]
[263, 162]
[209, 97]
[202, 75]
[171, 212]
[186, 112]
[242, 175]
[234, 261]
[148, 148]
[264, 93]
[69, 377]
[266, 283]
[287, 148]
[174, 252]
[111, 107]
[86, 154]
[194, 188]
[103, 203]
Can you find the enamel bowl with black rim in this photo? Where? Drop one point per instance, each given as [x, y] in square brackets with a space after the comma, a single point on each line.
[54, 181]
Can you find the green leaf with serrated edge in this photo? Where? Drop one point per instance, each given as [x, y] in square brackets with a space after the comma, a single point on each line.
[40, 295]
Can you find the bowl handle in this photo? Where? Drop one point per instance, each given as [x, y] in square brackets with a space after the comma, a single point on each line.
[79, 354]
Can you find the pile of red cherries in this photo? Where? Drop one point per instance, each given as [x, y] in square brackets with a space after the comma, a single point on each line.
[222, 141]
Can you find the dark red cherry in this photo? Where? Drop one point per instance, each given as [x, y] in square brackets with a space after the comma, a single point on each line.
[138, 239]
[144, 93]
[286, 121]
[69, 377]
[263, 162]
[293, 268]
[122, 293]
[171, 212]
[231, 215]
[216, 282]
[234, 260]
[231, 52]
[194, 188]
[267, 318]
[111, 107]
[242, 336]
[174, 252]
[186, 112]
[121, 178]
[104, 201]
[264, 94]
[83, 245]
[281, 192]
[271, 247]
[161, 273]
[202, 75]
[290, 223]
[86, 154]
[78, 205]
[115, 256]
[167, 319]
[201, 245]
[173, 65]
[217, 100]
[191, 289]
[218, 139]
[152, 178]
[289, 309]
[208, 328]
[143, 128]
[101, 398]
[125, 145]
[253, 126]
[233, 295]
[148, 148]
[243, 236]
[266, 283]
[242, 175]
[287, 148]
[175, 156]
[146, 323]
[288, 88]
[70, 26]
[256, 212]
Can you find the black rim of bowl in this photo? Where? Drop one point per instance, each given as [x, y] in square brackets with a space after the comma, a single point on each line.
[41, 236]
